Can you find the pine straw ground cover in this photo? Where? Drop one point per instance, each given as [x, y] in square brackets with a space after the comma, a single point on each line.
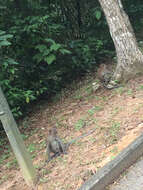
[116, 115]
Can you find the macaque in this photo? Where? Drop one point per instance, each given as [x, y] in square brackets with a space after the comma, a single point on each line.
[104, 74]
[56, 146]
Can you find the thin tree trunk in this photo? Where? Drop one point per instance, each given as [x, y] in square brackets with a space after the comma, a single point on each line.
[129, 57]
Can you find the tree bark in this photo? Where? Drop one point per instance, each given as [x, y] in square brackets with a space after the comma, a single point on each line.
[129, 57]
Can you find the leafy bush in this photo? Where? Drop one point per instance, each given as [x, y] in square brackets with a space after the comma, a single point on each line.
[49, 43]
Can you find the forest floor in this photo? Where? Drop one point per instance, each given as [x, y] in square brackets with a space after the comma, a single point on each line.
[116, 115]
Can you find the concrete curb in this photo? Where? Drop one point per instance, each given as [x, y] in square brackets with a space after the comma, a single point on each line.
[114, 168]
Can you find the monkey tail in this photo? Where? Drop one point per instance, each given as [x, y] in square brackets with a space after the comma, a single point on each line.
[78, 138]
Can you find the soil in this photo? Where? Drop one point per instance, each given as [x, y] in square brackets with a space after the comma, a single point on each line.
[116, 114]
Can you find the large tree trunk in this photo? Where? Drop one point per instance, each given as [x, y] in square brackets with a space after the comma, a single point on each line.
[129, 57]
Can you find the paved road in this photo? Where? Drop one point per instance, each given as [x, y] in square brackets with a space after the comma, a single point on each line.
[132, 180]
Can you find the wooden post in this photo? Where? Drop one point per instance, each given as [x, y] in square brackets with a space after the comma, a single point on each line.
[16, 141]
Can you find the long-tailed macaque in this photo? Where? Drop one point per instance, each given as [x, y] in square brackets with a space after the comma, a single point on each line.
[56, 146]
[104, 74]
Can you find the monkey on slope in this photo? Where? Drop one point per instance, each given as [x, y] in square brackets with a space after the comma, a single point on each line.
[54, 145]
[57, 147]
[104, 74]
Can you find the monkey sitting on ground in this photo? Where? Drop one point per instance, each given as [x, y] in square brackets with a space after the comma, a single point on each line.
[104, 74]
[56, 146]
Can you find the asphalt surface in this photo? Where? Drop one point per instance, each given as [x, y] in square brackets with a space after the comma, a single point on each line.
[132, 178]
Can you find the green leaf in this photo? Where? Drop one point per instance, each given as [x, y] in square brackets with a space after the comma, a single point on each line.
[55, 47]
[50, 59]
[12, 62]
[27, 99]
[4, 37]
[46, 52]
[49, 40]
[12, 70]
[65, 51]
[2, 32]
[41, 47]
[38, 57]
[4, 43]
[98, 14]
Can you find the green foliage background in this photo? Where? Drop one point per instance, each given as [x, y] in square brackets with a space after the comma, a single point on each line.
[45, 44]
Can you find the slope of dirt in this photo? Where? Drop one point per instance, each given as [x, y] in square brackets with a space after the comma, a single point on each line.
[116, 115]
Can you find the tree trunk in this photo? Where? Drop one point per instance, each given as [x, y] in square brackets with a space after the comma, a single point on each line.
[129, 57]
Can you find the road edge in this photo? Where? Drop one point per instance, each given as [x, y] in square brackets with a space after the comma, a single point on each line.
[115, 167]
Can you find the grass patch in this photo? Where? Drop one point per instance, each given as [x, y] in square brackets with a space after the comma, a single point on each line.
[12, 163]
[94, 109]
[141, 87]
[3, 157]
[114, 131]
[80, 124]
[119, 90]
[3, 179]
[114, 150]
[115, 111]
[130, 92]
